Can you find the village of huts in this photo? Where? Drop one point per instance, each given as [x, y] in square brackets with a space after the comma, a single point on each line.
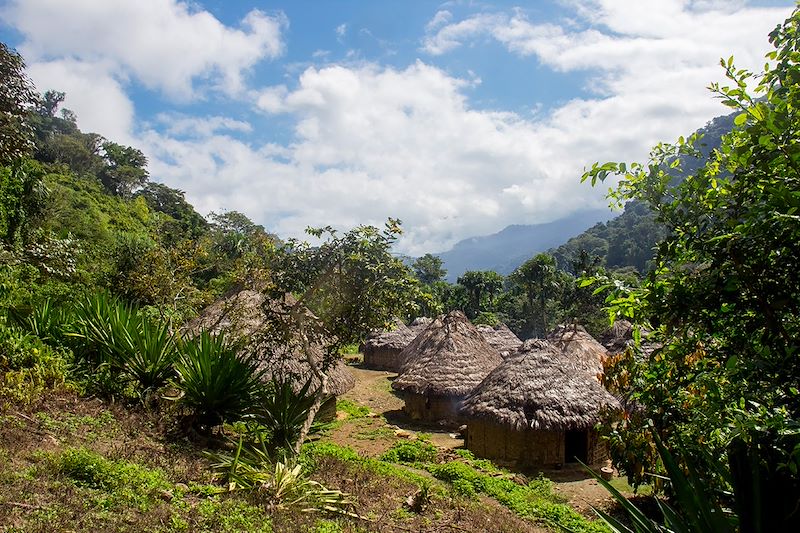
[531, 404]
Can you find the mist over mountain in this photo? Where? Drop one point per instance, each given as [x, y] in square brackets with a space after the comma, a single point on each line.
[507, 249]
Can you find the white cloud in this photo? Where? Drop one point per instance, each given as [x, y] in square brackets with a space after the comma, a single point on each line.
[373, 142]
[341, 31]
[182, 125]
[168, 45]
[98, 99]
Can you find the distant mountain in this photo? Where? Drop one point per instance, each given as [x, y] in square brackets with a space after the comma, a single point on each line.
[506, 250]
[620, 241]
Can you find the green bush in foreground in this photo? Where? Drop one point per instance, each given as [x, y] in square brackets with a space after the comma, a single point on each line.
[124, 483]
[534, 501]
[28, 366]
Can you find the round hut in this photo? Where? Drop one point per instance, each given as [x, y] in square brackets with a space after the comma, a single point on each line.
[538, 408]
[501, 338]
[382, 349]
[419, 324]
[240, 316]
[444, 363]
[582, 348]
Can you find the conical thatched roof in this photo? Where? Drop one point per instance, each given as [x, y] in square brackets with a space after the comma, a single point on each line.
[501, 338]
[578, 345]
[240, 317]
[539, 387]
[618, 337]
[419, 324]
[396, 339]
[449, 358]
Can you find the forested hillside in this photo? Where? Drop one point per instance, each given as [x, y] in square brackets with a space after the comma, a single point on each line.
[629, 240]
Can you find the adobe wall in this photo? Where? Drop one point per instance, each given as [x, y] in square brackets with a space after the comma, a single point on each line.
[432, 408]
[383, 358]
[537, 448]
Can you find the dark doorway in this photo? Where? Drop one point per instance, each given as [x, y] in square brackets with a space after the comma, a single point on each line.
[576, 446]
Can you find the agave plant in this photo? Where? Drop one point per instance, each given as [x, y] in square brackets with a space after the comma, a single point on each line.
[215, 381]
[283, 411]
[282, 484]
[47, 321]
[145, 352]
[101, 323]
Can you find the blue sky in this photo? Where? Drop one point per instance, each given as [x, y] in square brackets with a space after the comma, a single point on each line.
[458, 117]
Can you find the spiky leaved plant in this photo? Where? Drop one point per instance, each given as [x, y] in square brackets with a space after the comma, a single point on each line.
[216, 382]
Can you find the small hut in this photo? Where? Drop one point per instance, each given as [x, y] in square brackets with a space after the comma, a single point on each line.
[240, 316]
[538, 408]
[442, 365]
[382, 349]
[581, 347]
[501, 338]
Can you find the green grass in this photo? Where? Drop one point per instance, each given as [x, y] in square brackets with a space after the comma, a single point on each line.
[410, 451]
[313, 451]
[535, 500]
[352, 409]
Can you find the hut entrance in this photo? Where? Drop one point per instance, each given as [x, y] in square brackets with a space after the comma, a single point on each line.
[576, 446]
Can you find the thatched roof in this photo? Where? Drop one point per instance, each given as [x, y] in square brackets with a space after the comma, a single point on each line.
[241, 318]
[419, 324]
[501, 338]
[618, 337]
[395, 339]
[539, 387]
[578, 345]
[449, 358]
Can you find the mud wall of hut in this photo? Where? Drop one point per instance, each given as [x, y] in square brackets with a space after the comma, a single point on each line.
[526, 448]
[598, 449]
[382, 358]
[431, 408]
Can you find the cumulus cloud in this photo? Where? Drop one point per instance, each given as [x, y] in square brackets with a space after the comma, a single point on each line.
[373, 142]
[167, 45]
[97, 97]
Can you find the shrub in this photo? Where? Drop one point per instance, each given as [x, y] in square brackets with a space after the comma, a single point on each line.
[124, 482]
[283, 411]
[410, 451]
[28, 366]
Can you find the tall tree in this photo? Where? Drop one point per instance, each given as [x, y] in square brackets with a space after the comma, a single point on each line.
[17, 97]
[349, 285]
[539, 279]
[724, 298]
[481, 286]
[124, 170]
[428, 269]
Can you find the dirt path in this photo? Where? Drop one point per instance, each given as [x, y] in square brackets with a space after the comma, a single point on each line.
[373, 435]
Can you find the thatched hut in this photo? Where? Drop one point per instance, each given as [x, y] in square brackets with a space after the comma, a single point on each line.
[382, 349]
[240, 317]
[501, 338]
[538, 408]
[442, 365]
[581, 347]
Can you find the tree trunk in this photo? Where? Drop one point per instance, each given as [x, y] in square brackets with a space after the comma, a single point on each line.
[322, 390]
